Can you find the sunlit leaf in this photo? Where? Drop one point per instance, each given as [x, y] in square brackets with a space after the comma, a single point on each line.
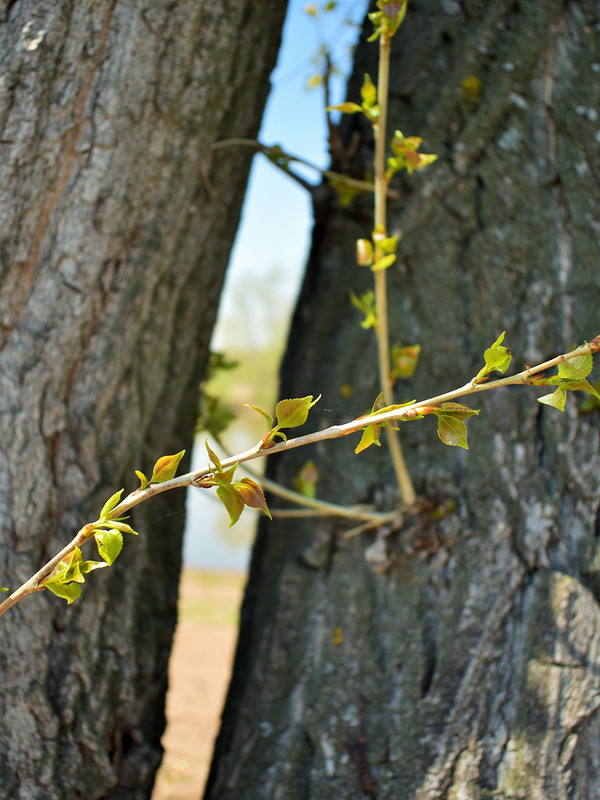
[497, 357]
[368, 92]
[144, 482]
[232, 501]
[557, 399]
[252, 495]
[370, 435]
[110, 504]
[388, 19]
[346, 108]
[166, 467]
[406, 155]
[576, 385]
[294, 412]
[454, 410]
[91, 566]
[389, 244]
[227, 475]
[109, 544]
[68, 591]
[124, 527]
[64, 579]
[258, 410]
[575, 368]
[384, 262]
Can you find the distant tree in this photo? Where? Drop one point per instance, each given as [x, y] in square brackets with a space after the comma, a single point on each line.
[457, 656]
[115, 228]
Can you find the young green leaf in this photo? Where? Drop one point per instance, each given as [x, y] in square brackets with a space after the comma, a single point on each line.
[575, 385]
[166, 467]
[64, 578]
[232, 501]
[90, 566]
[123, 527]
[227, 475]
[109, 544]
[144, 482]
[67, 591]
[368, 93]
[497, 357]
[406, 155]
[452, 432]
[293, 413]
[388, 19]
[110, 504]
[370, 435]
[384, 262]
[346, 108]
[252, 495]
[258, 410]
[454, 410]
[214, 458]
[557, 399]
[576, 368]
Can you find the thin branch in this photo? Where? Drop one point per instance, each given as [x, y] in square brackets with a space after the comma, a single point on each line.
[271, 150]
[405, 484]
[523, 378]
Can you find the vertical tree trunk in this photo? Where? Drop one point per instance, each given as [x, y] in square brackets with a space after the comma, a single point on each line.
[113, 247]
[457, 657]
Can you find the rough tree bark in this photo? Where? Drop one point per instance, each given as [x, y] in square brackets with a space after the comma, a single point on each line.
[458, 657]
[112, 255]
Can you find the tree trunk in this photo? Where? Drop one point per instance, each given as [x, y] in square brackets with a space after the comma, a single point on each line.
[113, 246]
[457, 657]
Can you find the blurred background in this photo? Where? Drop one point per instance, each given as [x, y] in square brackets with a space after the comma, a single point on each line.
[268, 258]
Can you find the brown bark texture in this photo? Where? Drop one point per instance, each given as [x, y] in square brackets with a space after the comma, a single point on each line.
[113, 247]
[457, 657]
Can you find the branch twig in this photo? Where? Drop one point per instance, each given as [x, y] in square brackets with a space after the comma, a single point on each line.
[523, 378]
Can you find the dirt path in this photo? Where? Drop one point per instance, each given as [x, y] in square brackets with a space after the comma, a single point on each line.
[198, 677]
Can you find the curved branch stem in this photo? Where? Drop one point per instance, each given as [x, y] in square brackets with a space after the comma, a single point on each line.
[405, 484]
[523, 378]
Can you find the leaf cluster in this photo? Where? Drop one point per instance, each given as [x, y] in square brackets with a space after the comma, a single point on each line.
[450, 416]
[571, 376]
[66, 578]
[290, 413]
[406, 155]
[388, 19]
[234, 496]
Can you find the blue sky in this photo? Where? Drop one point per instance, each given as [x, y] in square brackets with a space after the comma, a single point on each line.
[277, 219]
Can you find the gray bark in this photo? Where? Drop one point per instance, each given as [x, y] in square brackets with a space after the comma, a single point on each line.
[458, 657]
[112, 255]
